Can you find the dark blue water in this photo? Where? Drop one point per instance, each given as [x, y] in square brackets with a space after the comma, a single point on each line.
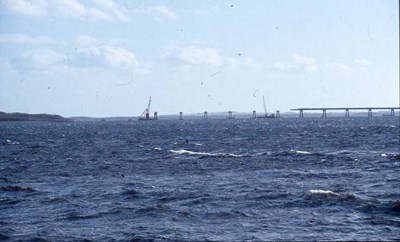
[272, 179]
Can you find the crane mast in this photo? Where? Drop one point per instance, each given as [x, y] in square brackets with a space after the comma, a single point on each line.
[146, 113]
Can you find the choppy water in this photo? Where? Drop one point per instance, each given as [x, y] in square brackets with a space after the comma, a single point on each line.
[272, 179]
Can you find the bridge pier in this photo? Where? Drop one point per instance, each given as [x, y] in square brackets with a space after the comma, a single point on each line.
[347, 113]
[254, 114]
[392, 112]
[205, 115]
[230, 115]
[301, 113]
[277, 114]
[155, 116]
[369, 112]
[180, 116]
[324, 113]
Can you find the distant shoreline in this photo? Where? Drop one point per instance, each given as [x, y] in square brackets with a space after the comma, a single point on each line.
[25, 117]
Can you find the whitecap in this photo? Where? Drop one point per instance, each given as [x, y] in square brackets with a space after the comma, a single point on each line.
[268, 153]
[183, 151]
[189, 152]
[391, 156]
[233, 155]
[12, 142]
[331, 194]
[301, 152]
[324, 192]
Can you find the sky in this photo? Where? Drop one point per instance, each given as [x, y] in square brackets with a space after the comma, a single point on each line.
[103, 58]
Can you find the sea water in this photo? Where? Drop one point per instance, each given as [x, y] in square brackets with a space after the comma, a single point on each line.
[225, 180]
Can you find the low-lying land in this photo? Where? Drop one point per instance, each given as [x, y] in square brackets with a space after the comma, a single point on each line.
[12, 117]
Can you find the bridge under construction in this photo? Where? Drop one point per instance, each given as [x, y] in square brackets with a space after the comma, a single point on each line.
[347, 110]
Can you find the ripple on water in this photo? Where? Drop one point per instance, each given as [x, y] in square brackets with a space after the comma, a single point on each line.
[281, 179]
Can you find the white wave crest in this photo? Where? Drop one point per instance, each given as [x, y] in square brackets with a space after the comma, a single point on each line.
[301, 152]
[390, 156]
[11, 142]
[324, 192]
[330, 194]
[189, 152]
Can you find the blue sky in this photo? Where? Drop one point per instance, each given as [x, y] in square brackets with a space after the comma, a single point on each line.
[105, 58]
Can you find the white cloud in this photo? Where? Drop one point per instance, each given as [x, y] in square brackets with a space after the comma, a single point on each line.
[90, 50]
[119, 57]
[297, 63]
[29, 8]
[157, 12]
[98, 9]
[99, 14]
[163, 11]
[250, 62]
[44, 57]
[196, 56]
[108, 9]
[86, 41]
[242, 61]
[25, 39]
[362, 64]
[338, 67]
[95, 52]
[70, 8]
[359, 64]
[89, 53]
[306, 64]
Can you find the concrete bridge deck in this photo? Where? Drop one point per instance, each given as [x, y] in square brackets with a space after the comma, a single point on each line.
[347, 110]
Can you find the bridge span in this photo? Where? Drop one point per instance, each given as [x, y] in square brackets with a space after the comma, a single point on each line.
[347, 110]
